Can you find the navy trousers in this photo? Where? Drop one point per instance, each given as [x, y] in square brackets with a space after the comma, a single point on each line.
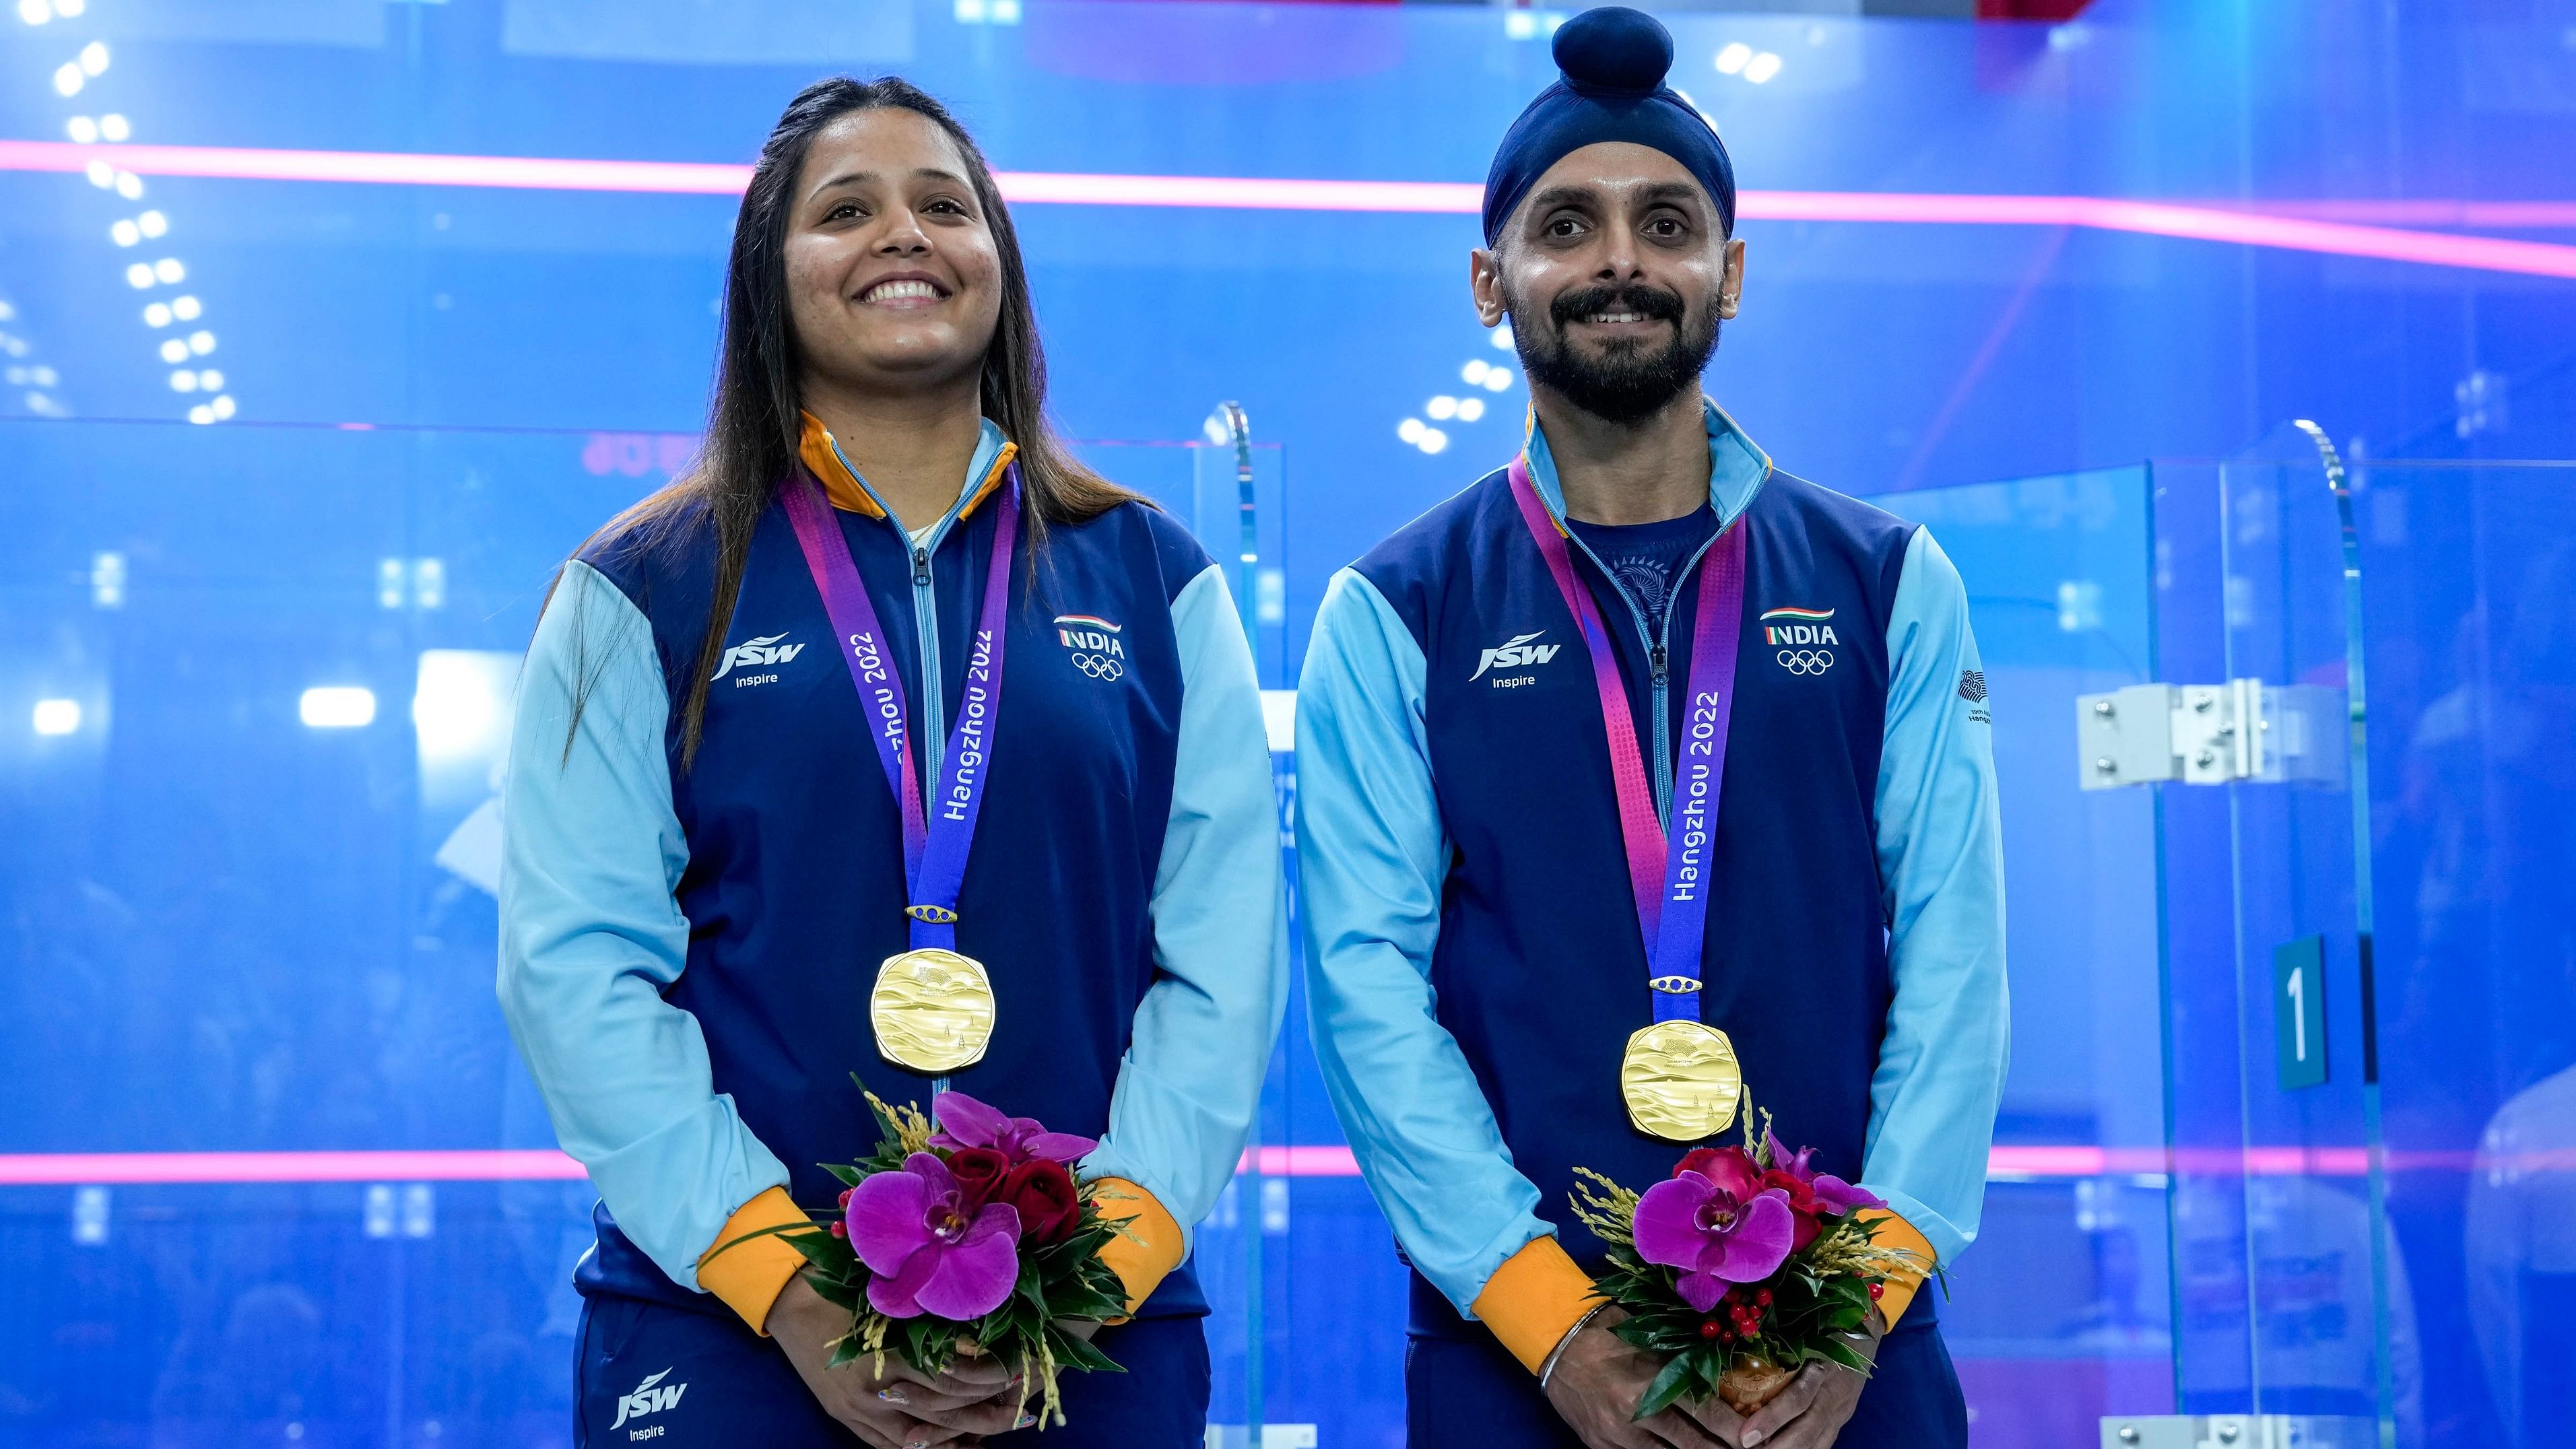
[1467, 1393]
[652, 1373]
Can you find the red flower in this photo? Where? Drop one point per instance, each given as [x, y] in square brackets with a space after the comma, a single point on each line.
[1731, 1168]
[1044, 1194]
[979, 1172]
[1804, 1205]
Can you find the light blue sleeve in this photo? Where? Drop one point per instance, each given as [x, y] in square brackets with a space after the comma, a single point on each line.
[1940, 866]
[591, 935]
[1191, 1080]
[1371, 860]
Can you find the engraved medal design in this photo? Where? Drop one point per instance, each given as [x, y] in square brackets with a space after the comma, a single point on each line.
[932, 1010]
[1681, 1080]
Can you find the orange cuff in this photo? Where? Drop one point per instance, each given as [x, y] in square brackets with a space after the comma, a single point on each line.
[750, 1277]
[1896, 1232]
[1534, 1299]
[1149, 1249]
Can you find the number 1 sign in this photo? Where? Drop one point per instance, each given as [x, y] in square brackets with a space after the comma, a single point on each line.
[2299, 1012]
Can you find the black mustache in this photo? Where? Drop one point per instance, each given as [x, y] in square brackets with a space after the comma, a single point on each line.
[1651, 302]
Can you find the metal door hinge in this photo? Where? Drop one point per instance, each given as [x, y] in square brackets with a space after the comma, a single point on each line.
[2210, 734]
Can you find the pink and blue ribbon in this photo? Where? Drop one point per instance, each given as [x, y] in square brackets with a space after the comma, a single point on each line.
[1668, 874]
[937, 834]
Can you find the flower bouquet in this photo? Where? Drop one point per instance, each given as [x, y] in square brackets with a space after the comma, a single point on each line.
[1741, 1269]
[971, 1234]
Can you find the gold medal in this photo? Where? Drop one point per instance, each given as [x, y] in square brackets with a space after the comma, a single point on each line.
[933, 1011]
[1681, 1081]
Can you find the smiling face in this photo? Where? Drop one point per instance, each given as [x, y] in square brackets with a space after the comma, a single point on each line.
[894, 284]
[1615, 274]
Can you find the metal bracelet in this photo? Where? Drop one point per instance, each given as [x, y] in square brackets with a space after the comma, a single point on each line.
[1549, 1367]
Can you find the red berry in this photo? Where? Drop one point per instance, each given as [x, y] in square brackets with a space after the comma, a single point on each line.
[845, 1195]
[1875, 1289]
[1763, 1298]
[1708, 1328]
[1725, 1336]
[840, 1230]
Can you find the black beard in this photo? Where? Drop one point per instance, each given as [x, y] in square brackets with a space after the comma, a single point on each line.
[1626, 383]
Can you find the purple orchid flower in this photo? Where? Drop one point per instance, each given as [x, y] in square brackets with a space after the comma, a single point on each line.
[924, 1253]
[965, 1122]
[1829, 1190]
[1716, 1238]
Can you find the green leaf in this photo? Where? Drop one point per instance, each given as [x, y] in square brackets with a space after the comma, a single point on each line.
[1667, 1388]
[846, 1351]
[849, 1176]
[1842, 1353]
[1074, 1352]
[834, 1290]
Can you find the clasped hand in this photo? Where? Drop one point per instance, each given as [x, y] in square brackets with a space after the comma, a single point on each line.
[1599, 1378]
[900, 1409]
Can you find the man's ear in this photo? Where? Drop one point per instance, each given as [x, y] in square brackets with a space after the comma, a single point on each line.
[1730, 288]
[1485, 283]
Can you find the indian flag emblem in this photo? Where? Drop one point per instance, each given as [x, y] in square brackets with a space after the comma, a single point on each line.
[1095, 645]
[1795, 626]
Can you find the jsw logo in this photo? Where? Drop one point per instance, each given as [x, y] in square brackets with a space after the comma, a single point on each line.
[1516, 652]
[647, 1399]
[764, 650]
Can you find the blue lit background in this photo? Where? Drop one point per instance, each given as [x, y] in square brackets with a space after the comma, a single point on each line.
[223, 930]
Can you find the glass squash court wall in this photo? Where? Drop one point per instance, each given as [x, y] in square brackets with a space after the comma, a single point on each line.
[234, 927]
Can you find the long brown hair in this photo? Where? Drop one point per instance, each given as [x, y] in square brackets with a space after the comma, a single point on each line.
[755, 420]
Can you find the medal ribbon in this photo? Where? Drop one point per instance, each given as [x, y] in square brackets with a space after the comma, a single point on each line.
[1668, 877]
[935, 841]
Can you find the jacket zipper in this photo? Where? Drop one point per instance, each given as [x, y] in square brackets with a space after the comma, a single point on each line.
[1659, 657]
[929, 697]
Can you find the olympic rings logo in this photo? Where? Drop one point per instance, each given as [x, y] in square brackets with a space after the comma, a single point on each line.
[1099, 666]
[1806, 661]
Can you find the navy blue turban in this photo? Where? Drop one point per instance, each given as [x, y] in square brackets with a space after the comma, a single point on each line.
[1613, 89]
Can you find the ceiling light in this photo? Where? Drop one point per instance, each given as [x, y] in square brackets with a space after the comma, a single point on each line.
[1410, 430]
[1470, 409]
[83, 130]
[57, 716]
[333, 707]
[34, 12]
[223, 408]
[156, 315]
[1732, 59]
[183, 381]
[113, 127]
[69, 8]
[153, 223]
[129, 185]
[169, 270]
[174, 350]
[201, 415]
[185, 308]
[93, 57]
[211, 380]
[201, 343]
[1441, 408]
[139, 275]
[69, 79]
[1503, 338]
[1475, 370]
[1433, 440]
[1762, 67]
[126, 233]
[1498, 379]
